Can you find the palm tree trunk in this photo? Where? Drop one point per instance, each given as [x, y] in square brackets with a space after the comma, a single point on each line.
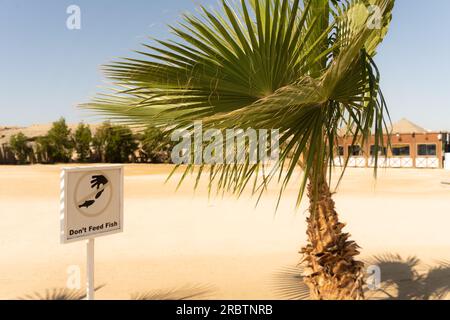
[332, 273]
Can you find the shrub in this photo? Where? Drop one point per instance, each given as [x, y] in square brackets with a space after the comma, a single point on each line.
[20, 147]
[114, 144]
[82, 142]
[156, 145]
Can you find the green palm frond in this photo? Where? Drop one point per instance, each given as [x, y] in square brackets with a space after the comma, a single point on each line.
[303, 67]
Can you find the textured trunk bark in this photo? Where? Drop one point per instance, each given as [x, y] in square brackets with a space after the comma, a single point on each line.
[332, 273]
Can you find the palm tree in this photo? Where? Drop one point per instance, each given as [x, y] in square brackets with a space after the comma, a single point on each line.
[303, 67]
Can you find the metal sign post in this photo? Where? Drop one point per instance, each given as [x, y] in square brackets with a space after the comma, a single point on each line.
[90, 286]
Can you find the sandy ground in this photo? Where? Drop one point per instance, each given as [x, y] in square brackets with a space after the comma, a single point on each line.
[33, 131]
[182, 239]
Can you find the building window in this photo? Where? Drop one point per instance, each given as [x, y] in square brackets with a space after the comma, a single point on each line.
[382, 151]
[401, 150]
[340, 151]
[426, 150]
[354, 151]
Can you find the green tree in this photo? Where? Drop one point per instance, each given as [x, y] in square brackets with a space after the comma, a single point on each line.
[44, 149]
[156, 145]
[82, 140]
[20, 147]
[114, 144]
[303, 67]
[57, 145]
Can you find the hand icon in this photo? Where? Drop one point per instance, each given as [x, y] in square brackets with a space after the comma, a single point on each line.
[98, 181]
[99, 194]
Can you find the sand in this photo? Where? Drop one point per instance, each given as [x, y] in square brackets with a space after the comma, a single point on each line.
[182, 239]
[33, 131]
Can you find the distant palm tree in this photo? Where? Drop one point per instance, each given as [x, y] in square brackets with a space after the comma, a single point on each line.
[303, 67]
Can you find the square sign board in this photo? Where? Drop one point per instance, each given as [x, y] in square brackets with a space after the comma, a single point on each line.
[91, 202]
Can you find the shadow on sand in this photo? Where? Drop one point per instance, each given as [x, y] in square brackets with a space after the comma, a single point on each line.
[288, 284]
[191, 292]
[182, 293]
[401, 279]
[58, 294]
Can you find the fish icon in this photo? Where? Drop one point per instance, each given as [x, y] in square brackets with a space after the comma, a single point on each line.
[87, 204]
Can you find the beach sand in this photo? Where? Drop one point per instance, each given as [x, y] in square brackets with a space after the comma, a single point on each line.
[184, 240]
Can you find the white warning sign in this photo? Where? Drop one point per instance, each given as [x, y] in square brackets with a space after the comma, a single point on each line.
[91, 202]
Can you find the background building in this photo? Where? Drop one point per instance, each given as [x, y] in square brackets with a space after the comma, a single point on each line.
[411, 147]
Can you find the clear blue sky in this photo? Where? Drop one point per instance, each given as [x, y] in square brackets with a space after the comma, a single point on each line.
[46, 69]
